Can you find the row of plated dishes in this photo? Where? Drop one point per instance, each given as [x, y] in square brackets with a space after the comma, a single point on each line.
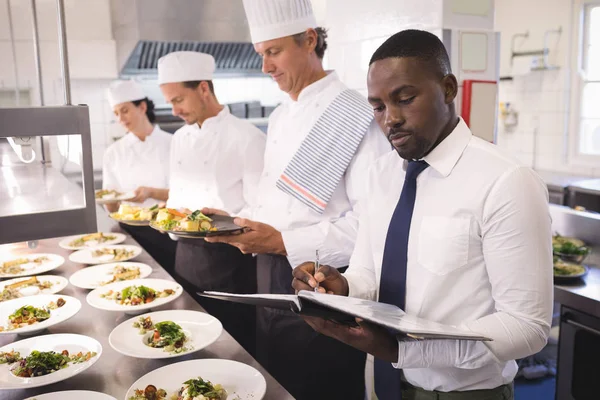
[30, 303]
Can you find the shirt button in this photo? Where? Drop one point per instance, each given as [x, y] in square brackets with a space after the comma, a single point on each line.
[205, 162]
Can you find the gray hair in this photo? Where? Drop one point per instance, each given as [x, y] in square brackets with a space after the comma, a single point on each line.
[321, 41]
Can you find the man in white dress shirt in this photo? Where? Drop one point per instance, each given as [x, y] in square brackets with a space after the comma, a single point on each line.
[453, 231]
[320, 142]
[216, 161]
[139, 163]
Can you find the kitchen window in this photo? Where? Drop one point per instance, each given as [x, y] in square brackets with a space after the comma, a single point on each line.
[589, 111]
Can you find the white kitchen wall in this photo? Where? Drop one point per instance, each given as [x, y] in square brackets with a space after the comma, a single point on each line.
[541, 98]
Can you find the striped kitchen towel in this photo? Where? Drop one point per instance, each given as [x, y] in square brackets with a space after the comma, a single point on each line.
[319, 164]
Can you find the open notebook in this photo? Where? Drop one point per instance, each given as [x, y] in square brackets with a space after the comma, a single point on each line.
[344, 309]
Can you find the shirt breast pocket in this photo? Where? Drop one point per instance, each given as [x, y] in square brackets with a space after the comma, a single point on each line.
[443, 243]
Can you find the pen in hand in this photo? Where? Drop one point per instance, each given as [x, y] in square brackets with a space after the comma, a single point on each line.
[317, 265]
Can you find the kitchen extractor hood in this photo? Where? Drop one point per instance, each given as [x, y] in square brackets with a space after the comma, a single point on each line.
[145, 30]
[232, 59]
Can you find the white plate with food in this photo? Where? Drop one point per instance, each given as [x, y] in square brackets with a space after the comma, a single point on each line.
[133, 215]
[105, 274]
[31, 286]
[64, 355]
[134, 296]
[79, 242]
[226, 379]
[72, 395]
[29, 264]
[105, 254]
[108, 196]
[165, 334]
[194, 225]
[29, 315]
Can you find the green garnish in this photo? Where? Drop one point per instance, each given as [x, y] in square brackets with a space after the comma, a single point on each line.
[28, 313]
[198, 216]
[199, 386]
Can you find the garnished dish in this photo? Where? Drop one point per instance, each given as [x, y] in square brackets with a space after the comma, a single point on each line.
[123, 273]
[36, 313]
[567, 269]
[13, 267]
[97, 238]
[30, 264]
[134, 215]
[172, 220]
[135, 295]
[39, 363]
[105, 274]
[192, 389]
[166, 335]
[107, 194]
[569, 249]
[15, 290]
[117, 254]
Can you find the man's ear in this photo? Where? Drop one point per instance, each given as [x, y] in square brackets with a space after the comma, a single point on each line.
[450, 87]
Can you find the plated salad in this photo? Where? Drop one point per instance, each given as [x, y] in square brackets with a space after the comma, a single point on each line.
[29, 315]
[12, 291]
[166, 335]
[96, 237]
[135, 295]
[170, 219]
[39, 363]
[192, 389]
[122, 273]
[107, 194]
[14, 266]
[134, 213]
[118, 254]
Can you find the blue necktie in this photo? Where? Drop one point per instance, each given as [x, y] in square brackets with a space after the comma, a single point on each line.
[392, 287]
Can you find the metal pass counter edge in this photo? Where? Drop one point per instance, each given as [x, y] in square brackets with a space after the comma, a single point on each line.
[114, 373]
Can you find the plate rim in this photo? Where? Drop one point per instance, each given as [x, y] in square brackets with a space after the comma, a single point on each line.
[166, 355]
[45, 395]
[82, 270]
[201, 360]
[86, 367]
[3, 283]
[196, 235]
[142, 307]
[36, 330]
[66, 247]
[573, 277]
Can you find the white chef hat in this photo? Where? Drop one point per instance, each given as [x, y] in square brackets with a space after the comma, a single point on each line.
[123, 91]
[185, 66]
[273, 19]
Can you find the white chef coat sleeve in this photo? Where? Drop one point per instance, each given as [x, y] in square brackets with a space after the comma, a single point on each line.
[361, 276]
[173, 201]
[335, 238]
[517, 247]
[253, 156]
[109, 177]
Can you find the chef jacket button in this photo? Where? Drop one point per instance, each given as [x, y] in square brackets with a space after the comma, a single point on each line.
[205, 162]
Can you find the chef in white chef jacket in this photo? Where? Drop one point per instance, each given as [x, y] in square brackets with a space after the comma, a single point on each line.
[139, 163]
[216, 161]
[320, 143]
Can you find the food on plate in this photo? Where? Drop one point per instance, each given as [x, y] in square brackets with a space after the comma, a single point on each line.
[14, 266]
[118, 254]
[29, 315]
[39, 363]
[97, 237]
[563, 268]
[150, 393]
[168, 336]
[144, 324]
[199, 389]
[569, 246]
[136, 295]
[121, 273]
[133, 213]
[107, 194]
[12, 291]
[172, 220]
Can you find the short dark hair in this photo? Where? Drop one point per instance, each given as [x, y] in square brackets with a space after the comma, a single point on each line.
[422, 45]
[195, 84]
[149, 108]
[321, 41]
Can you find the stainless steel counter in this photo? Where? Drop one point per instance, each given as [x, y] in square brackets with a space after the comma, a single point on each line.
[114, 373]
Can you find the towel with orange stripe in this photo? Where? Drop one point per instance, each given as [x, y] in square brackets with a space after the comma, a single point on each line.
[323, 157]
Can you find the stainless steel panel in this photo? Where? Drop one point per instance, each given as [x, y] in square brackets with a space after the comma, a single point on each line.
[113, 373]
[45, 121]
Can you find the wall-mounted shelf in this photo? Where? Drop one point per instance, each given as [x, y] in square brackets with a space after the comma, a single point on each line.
[543, 52]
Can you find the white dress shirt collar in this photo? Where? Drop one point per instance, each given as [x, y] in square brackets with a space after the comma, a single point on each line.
[444, 156]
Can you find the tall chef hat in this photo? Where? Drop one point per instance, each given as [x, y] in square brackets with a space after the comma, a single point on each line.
[185, 66]
[123, 91]
[273, 19]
